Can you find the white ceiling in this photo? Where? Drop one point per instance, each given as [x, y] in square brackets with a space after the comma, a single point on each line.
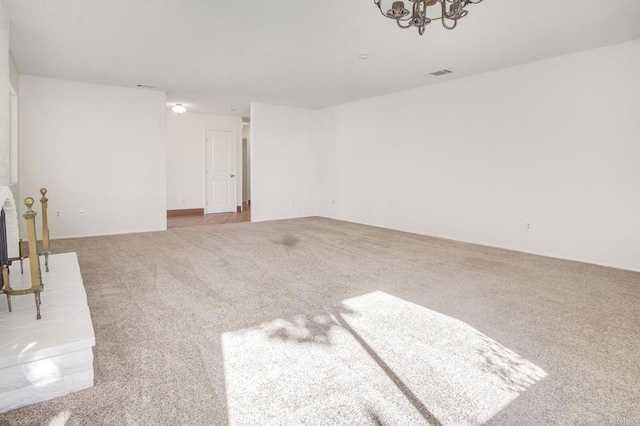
[213, 55]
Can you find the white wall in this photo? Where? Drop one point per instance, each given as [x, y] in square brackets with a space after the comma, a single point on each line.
[14, 80]
[5, 157]
[186, 139]
[555, 143]
[97, 148]
[283, 162]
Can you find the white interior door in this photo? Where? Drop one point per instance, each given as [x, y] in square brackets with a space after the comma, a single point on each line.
[221, 172]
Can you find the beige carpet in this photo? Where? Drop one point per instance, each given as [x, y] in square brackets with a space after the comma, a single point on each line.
[313, 321]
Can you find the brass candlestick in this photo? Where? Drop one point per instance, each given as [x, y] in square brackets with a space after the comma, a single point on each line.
[34, 262]
[45, 227]
[46, 242]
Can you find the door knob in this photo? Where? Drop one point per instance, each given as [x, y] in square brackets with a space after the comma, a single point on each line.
[233, 175]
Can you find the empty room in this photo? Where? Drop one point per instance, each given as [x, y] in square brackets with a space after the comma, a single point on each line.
[371, 212]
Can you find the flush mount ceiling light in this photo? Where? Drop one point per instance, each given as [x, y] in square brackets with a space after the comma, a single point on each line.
[179, 109]
[423, 12]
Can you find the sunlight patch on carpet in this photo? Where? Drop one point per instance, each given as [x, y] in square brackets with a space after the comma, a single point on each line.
[60, 419]
[373, 359]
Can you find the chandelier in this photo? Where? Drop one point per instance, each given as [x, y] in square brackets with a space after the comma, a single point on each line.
[423, 12]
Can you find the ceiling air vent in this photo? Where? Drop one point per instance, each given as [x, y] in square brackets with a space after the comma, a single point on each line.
[442, 72]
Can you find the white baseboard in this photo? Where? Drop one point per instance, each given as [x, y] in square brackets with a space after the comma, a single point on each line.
[106, 234]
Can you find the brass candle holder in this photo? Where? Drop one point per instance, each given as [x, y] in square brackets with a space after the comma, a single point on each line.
[44, 246]
[34, 263]
[44, 201]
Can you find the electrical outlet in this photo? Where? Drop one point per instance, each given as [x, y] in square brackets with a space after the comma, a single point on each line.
[528, 226]
[81, 212]
[57, 213]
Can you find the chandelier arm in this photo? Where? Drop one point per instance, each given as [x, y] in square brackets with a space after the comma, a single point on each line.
[401, 26]
[444, 24]
[378, 3]
[443, 3]
[403, 19]
[380, 8]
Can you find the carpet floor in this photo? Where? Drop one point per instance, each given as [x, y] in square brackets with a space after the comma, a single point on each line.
[320, 322]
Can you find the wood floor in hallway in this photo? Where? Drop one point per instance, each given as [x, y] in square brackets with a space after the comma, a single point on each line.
[210, 219]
